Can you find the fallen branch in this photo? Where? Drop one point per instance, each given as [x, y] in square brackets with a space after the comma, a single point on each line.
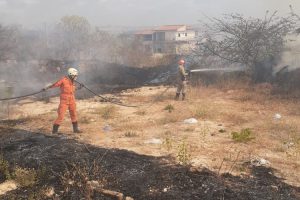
[87, 148]
[94, 185]
[221, 166]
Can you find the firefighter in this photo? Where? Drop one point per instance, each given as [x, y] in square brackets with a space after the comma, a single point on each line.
[67, 100]
[182, 80]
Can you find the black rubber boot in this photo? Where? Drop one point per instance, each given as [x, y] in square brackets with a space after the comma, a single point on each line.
[177, 96]
[55, 128]
[75, 127]
[183, 96]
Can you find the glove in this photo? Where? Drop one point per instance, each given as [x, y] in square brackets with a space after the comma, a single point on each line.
[46, 88]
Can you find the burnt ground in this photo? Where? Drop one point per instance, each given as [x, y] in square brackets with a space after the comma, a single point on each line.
[138, 176]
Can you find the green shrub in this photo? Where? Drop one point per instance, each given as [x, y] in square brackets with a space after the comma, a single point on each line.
[244, 135]
[4, 168]
[168, 143]
[183, 154]
[169, 108]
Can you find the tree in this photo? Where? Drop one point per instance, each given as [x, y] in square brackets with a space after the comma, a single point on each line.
[72, 37]
[8, 41]
[248, 41]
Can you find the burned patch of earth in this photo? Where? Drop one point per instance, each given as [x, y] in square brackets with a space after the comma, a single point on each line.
[138, 176]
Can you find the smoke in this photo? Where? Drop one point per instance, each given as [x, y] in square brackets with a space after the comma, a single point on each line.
[134, 12]
[291, 55]
[41, 43]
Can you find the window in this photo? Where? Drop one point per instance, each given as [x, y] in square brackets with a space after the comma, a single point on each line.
[160, 36]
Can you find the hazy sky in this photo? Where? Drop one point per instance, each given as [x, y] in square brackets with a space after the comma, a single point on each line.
[134, 12]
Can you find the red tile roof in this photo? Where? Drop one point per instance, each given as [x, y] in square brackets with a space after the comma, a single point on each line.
[162, 28]
[145, 32]
[169, 28]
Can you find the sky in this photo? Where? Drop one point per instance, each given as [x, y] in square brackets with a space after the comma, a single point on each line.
[31, 13]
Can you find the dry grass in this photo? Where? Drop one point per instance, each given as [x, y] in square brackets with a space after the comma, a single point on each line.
[189, 129]
[234, 118]
[107, 112]
[141, 112]
[126, 125]
[85, 120]
[204, 111]
[131, 134]
[168, 119]
[200, 92]
[241, 83]
[281, 128]
[25, 177]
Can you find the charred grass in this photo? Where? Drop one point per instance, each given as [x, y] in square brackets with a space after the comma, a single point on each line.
[132, 174]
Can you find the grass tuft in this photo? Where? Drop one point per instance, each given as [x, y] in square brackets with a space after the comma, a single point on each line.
[170, 108]
[183, 154]
[245, 135]
[131, 134]
[25, 177]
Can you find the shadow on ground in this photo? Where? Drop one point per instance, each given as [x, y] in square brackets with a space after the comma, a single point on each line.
[138, 176]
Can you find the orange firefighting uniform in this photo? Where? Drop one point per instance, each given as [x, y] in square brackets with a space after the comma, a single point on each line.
[67, 99]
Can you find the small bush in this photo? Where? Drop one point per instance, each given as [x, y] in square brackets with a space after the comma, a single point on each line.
[169, 108]
[244, 135]
[25, 177]
[4, 168]
[74, 179]
[183, 154]
[168, 143]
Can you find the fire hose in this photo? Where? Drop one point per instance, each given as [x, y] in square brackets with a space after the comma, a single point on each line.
[23, 96]
[91, 91]
[104, 98]
[35, 93]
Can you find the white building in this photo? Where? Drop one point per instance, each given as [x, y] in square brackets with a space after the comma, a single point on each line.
[168, 39]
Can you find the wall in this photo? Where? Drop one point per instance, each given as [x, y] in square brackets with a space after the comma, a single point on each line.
[190, 35]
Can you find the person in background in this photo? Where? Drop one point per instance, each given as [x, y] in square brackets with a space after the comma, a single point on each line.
[67, 100]
[182, 81]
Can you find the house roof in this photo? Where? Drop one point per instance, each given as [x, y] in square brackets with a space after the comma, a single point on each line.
[163, 28]
[169, 28]
[145, 32]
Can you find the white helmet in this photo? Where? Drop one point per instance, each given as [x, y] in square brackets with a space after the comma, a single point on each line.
[181, 62]
[72, 72]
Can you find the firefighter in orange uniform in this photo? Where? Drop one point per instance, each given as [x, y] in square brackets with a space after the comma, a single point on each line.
[67, 100]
